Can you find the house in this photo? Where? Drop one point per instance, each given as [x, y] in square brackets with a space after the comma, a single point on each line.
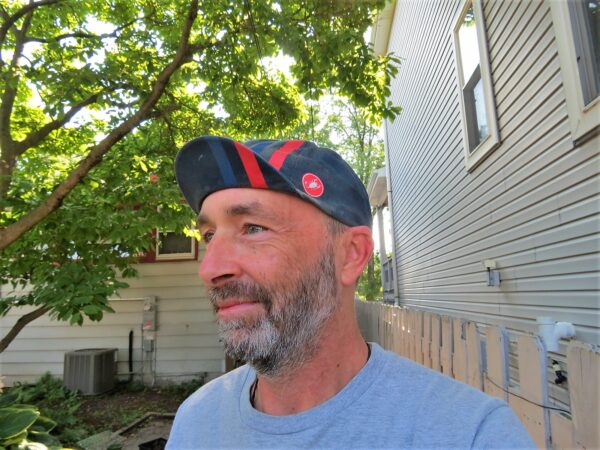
[165, 311]
[493, 161]
[492, 185]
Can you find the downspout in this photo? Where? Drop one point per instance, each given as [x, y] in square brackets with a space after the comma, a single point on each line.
[130, 356]
[390, 206]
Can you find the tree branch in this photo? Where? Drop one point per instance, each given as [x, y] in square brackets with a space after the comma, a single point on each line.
[35, 137]
[17, 229]
[85, 35]
[10, 91]
[21, 323]
[11, 20]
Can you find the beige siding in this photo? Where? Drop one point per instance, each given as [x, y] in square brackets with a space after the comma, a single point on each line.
[186, 339]
[532, 205]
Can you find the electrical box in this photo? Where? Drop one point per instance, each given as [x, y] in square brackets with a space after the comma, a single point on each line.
[148, 344]
[149, 314]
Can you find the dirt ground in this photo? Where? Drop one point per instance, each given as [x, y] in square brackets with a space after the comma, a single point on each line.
[115, 410]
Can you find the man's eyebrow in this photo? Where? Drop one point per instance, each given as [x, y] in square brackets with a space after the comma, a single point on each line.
[242, 209]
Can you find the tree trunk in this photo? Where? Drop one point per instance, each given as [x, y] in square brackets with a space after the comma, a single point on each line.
[21, 323]
[370, 278]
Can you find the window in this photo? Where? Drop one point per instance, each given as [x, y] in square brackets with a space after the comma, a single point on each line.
[576, 24]
[171, 245]
[480, 125]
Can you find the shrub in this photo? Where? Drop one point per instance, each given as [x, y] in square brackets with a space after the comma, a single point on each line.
[54, 402]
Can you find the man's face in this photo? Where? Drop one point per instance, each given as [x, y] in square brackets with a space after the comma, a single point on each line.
[271, 274]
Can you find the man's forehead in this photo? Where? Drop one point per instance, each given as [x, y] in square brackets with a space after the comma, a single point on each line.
[268, 204]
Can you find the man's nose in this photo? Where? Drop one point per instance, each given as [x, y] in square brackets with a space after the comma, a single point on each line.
[220, 262]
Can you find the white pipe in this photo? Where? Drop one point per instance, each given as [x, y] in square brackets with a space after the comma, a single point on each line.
[551, 332]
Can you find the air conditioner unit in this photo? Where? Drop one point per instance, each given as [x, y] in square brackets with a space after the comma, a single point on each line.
[90, 371]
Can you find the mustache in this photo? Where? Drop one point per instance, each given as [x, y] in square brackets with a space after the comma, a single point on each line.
[242, 290]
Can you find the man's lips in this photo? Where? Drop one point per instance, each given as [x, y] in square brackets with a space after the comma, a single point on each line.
[234, 306]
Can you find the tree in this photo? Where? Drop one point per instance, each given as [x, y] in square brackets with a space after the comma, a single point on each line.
[361, 146]
[95, 98]
[355, 133]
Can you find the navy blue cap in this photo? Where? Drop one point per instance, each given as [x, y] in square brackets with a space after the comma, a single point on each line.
[318, 175]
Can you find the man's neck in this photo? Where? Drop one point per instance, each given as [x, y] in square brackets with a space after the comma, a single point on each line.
[341, 355]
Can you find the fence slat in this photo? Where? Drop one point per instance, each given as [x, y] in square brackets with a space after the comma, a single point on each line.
[397, 333]
[410, 331]
[436, 340]
[583, 363]
[534, 388]
[426, 340]
[474, 359]
[459, 354]
[561, 432]
[496, 382]
[418, 336]
[446, 349]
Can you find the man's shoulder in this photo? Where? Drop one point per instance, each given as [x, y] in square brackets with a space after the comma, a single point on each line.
[422, 381]
[441, 410]
[219, 388]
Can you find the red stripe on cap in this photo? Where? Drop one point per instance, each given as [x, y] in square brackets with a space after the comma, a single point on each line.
[278, 157]
[255, 176]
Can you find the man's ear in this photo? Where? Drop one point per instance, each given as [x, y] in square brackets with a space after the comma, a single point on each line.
[358, 248]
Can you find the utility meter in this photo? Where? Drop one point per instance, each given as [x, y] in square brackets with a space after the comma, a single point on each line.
[149, 314]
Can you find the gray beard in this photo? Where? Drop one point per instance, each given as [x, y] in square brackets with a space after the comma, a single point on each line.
[287, 335]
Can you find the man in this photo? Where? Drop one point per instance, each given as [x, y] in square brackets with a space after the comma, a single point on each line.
[287, 227]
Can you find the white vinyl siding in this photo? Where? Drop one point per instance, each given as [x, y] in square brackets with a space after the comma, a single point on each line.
[532, 205]
[186, 339]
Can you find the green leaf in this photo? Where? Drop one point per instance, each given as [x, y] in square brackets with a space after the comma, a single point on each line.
[45, 438]
[7, 399]
[14, 421]
[42, 425]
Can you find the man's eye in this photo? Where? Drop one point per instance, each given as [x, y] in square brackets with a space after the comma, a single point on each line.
[207, 237]
[251, 229]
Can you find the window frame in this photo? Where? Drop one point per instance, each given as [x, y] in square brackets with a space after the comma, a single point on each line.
[492, 141]
[153, 255]
[583, 119]
[191, 255]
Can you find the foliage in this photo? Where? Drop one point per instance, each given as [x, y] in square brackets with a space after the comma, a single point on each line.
[351, 132]
[95, 98]
[369, 285]
[22, 425]
[184, 389]
[55, 403]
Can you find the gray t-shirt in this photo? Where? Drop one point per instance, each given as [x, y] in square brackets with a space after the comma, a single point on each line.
[391, 403]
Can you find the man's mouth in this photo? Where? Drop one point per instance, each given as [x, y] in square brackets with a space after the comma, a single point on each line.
[234, 306]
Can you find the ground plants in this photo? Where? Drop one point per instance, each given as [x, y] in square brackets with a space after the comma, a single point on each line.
[55, 403]
[22, 425]
[48, 413]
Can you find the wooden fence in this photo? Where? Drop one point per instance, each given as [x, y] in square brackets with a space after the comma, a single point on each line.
[478, 355]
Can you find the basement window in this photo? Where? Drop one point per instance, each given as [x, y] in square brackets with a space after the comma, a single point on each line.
[577, 29]
[480, 124]
[171, 245]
